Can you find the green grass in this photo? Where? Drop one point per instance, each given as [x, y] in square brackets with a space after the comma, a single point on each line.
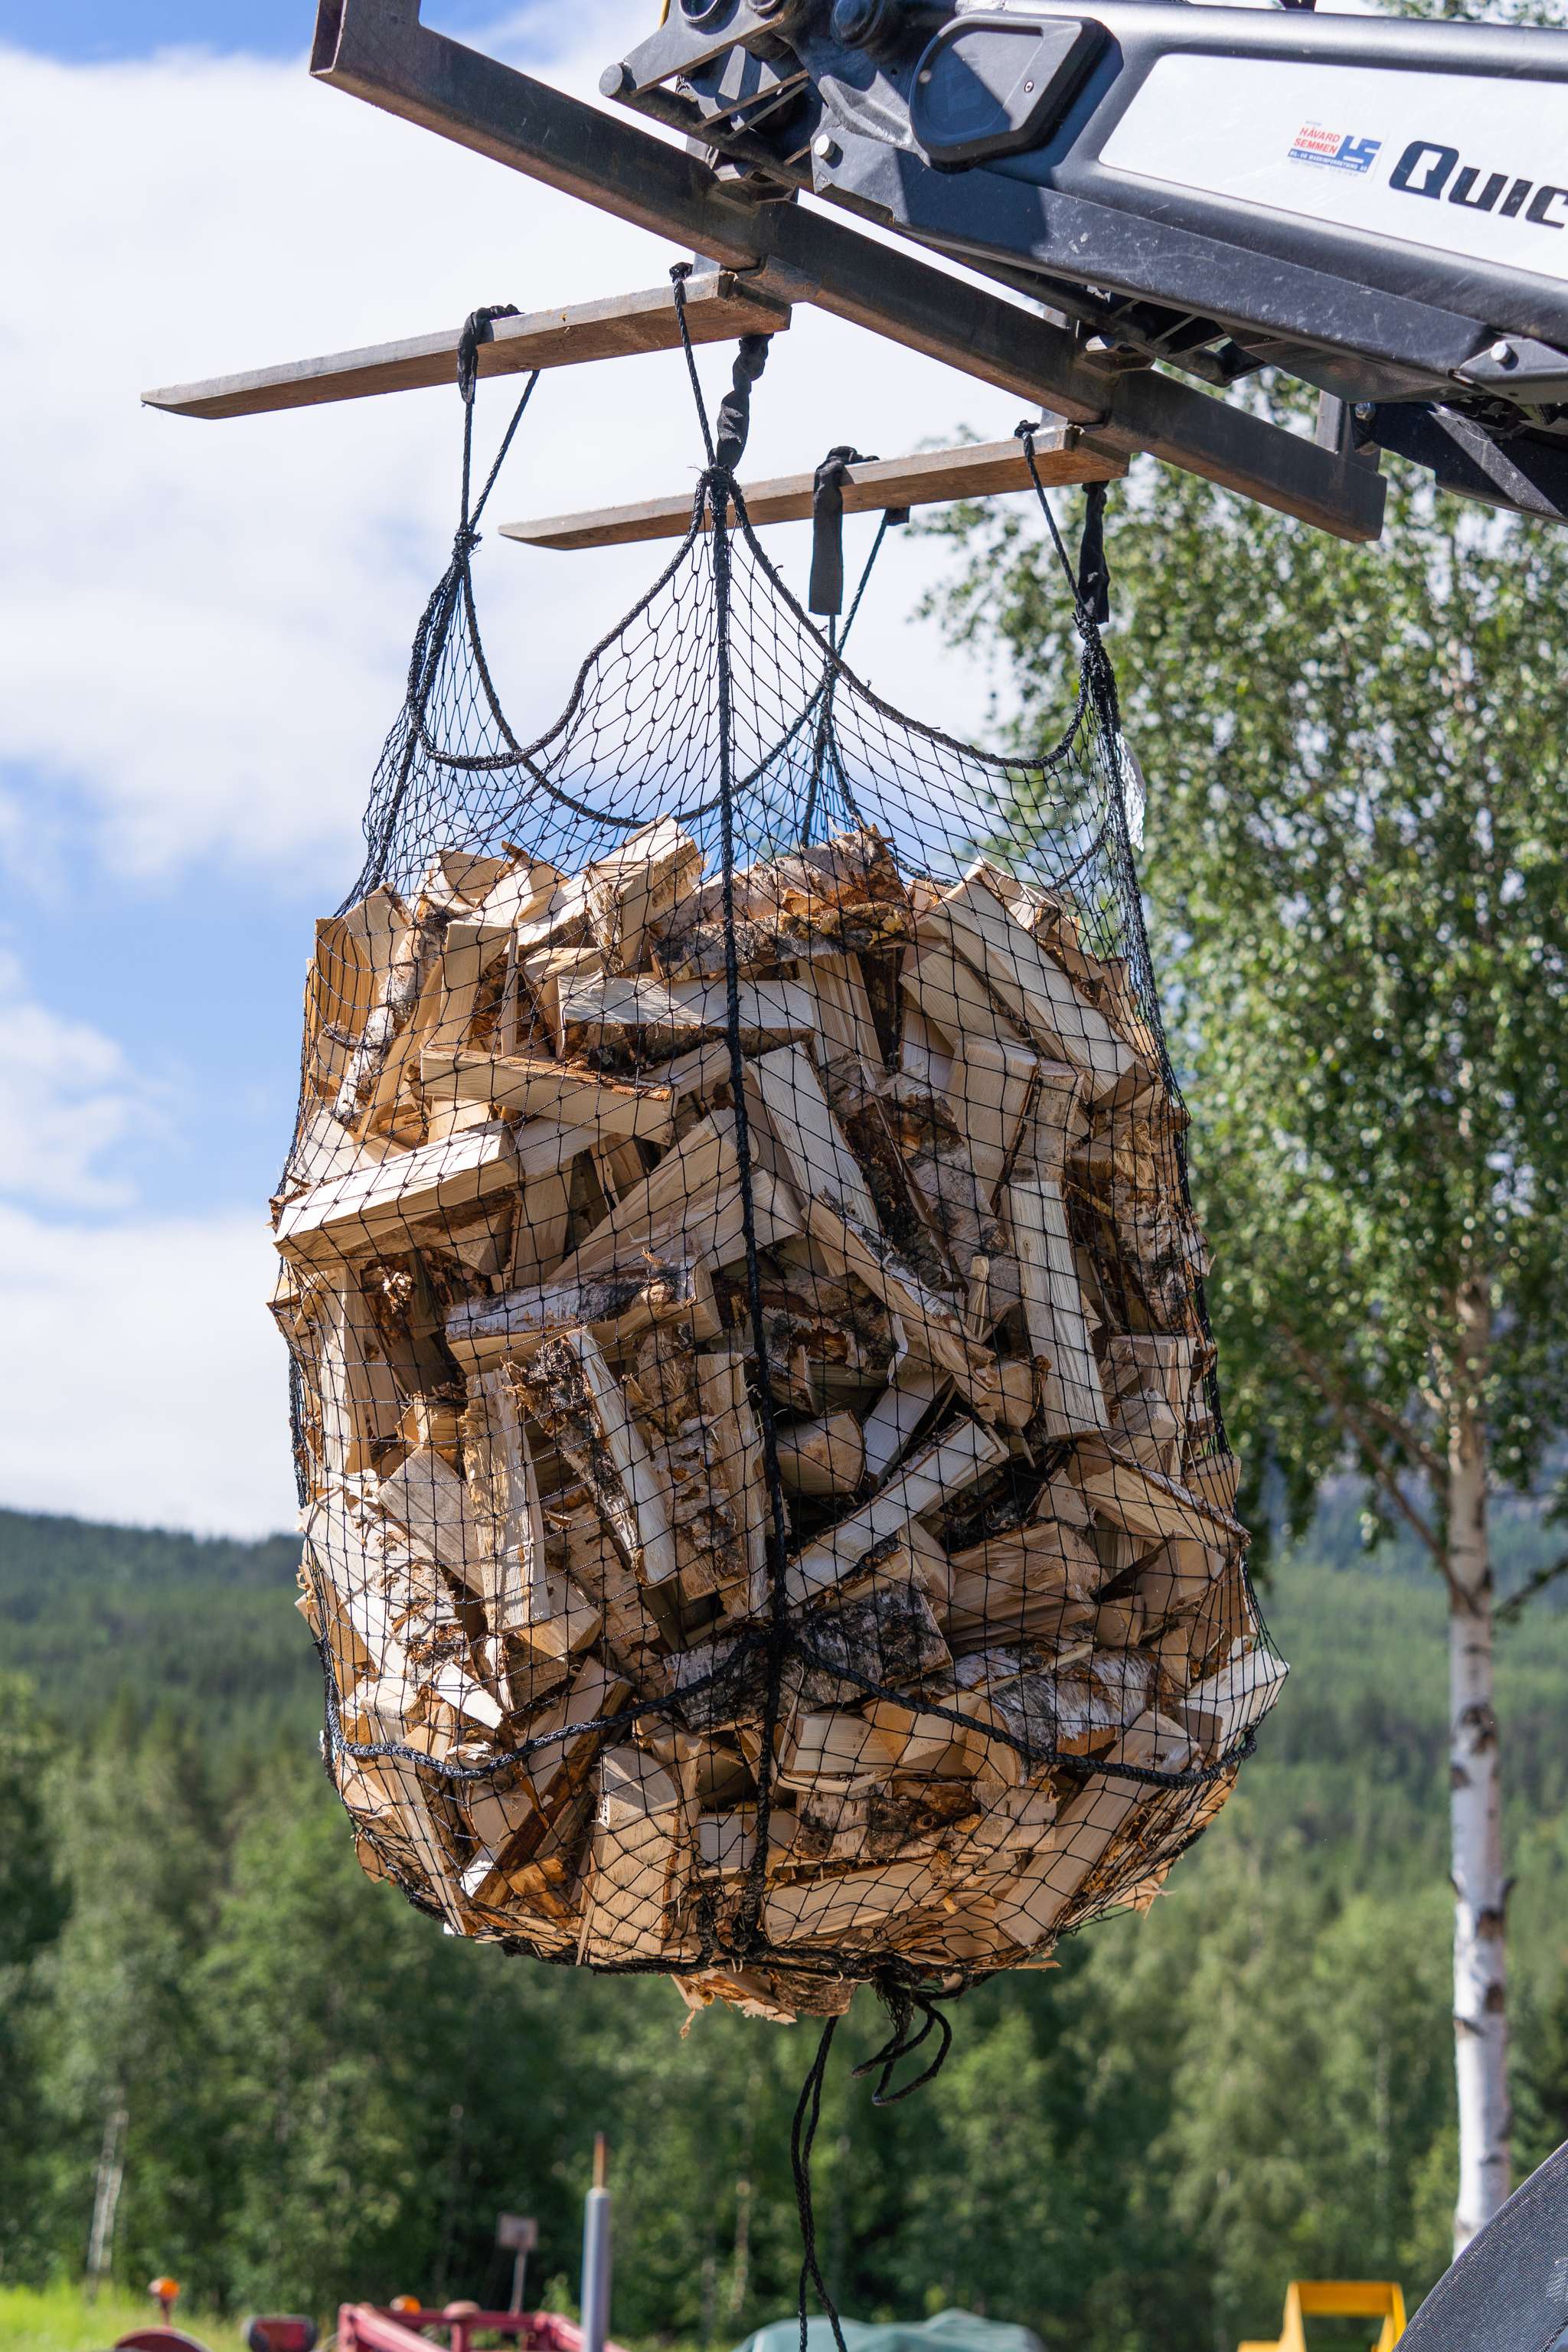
[59, 2319]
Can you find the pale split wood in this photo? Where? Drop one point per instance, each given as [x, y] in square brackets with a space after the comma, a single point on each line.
[371, 1208]
[1053, 1305]
[639, 1830]
[826, 1456]
[941, 1470]
[977, 930]
[580, 1404]
[617, 1306]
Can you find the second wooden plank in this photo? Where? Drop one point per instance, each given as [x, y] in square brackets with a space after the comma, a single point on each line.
[930, 477]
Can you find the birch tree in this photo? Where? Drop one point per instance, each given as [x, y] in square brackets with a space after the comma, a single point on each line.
[1357, 762]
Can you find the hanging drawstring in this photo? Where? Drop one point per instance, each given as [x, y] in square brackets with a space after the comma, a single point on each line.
[807, 2113]
[476, 331]
[680, 271]
[1090, 586]
[903, 2003]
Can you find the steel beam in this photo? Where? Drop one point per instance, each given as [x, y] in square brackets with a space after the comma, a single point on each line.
[719, 307]
[378, 51]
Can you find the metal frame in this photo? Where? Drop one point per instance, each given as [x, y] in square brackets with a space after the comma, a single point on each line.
[378, 51]
[1337, 2299]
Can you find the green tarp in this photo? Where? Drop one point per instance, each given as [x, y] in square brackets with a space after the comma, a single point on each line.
[950, 2331]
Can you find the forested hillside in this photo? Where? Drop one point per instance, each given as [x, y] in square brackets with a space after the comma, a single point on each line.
[326, 2094]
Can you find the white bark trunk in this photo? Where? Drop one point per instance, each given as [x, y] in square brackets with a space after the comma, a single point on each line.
[1480, 2011]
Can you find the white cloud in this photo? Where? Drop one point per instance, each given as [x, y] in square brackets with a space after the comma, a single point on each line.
[204, 627]
[204, 632]
[68, 1095]
[141, 1379]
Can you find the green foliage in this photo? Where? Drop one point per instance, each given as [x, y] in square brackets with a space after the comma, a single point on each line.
[1353, 861]
[58, 2318]
[1133, 2151]
[33, 1906]
[161, 1619]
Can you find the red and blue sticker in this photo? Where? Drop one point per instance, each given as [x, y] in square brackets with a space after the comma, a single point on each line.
[1340, 150]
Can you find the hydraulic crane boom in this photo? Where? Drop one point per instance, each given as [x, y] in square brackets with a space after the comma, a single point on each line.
[1372, 203]
[1168, 196]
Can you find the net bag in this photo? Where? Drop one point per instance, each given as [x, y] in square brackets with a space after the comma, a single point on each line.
[767, 1517]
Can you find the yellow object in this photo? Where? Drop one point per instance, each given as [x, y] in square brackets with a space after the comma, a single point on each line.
[1337, 2299]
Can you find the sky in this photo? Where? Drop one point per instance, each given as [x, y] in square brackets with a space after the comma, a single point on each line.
[204, 630]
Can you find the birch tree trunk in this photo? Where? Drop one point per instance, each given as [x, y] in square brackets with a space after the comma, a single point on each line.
[1481, 1895]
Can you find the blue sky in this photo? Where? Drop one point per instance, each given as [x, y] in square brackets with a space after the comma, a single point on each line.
[89, 31]
[203, 631]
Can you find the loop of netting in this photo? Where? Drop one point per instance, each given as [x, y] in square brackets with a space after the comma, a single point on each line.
[768, 1516]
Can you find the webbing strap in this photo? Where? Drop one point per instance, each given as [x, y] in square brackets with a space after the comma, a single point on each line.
[1094, 571]
[825, 593]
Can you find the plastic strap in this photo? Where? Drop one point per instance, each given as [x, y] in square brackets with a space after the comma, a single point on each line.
[1094, 571]
[476, 331]
[736, 409]
[825, 593]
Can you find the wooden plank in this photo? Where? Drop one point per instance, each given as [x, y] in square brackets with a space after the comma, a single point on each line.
[718, 305]
[930, 477]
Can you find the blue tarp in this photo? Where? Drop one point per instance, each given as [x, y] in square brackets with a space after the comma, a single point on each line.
[950, 2331]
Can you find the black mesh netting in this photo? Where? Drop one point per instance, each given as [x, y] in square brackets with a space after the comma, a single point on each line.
[766, 1513]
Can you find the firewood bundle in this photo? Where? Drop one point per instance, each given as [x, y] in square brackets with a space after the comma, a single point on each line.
[766, 1513]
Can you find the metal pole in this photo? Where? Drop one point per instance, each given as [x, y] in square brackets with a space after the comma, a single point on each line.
[519, 2272]
[597, 2254]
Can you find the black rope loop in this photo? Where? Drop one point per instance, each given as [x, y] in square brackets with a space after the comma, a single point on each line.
[1089, 585]
[904, 2002]
[680, 272]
